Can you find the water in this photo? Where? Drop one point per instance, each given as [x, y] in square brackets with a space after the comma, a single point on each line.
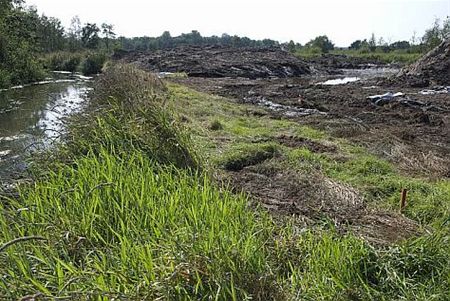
[340, 81]
[288, 111]
[32, 117]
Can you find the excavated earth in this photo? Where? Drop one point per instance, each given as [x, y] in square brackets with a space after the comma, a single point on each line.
[411, 130]
[218, 61]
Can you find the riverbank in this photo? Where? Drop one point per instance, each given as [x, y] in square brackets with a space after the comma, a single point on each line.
[161, 191]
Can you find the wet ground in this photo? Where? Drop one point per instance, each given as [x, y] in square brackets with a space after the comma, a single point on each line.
[32, 117]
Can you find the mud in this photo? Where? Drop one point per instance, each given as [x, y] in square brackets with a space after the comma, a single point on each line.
[217, 61]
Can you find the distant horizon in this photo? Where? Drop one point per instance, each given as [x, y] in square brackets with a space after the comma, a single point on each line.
[343, 22]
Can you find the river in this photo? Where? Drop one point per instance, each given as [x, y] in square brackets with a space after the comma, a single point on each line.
[32, 117]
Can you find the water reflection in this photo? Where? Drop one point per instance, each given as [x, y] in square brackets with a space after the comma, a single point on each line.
[33, 116]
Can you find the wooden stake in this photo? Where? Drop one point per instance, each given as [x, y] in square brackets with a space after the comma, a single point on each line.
[403, 199]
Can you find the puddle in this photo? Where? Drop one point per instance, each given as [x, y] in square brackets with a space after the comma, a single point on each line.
[441, 90]
[340, 81]
[288, 111]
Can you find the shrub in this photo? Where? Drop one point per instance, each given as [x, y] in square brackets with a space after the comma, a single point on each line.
[63, 61]
[4, 79]
[93, 63]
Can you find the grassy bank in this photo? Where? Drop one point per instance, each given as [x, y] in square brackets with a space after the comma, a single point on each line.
[129, 208]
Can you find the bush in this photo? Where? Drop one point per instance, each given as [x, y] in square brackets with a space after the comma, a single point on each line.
[93, 63]
[4, 79]
[63, 61]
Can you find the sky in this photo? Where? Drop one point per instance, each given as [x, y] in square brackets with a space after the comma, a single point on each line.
[343, 21]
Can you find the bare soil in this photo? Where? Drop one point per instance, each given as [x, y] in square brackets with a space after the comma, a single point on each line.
[217, 61]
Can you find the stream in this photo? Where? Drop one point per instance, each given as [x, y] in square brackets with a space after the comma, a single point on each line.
[32, 117]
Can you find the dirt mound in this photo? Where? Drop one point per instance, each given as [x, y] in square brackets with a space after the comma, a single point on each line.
[218, 61]
[432, 69]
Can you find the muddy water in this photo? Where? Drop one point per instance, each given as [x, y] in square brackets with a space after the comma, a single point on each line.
[354, 75]
[32, 117]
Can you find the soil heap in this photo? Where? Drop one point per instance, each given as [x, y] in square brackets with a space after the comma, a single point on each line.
[432, 69]
[220, 61]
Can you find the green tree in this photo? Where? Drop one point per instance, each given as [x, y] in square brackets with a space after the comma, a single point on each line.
[74, 34]
[372, 43]
[321, 42]
[432, 36]
[108, 34]
[89, 36]
[165, 40]
[291, 47]
[356, 45]
[18, 44]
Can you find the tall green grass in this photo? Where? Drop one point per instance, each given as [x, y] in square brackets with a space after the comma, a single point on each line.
[121, 224]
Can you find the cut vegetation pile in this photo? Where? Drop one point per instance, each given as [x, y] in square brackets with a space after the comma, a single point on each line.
[220, 61]
[126, 210]
[432, 69]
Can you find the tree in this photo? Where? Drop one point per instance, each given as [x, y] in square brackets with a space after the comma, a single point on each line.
[372, 43]
[291, 47]
[50, 34]
[400, 45]
[356, 45]
[19, 44]
[74, 34]
[108, 34]
[321, 42]
[165, 40]
[89, 35]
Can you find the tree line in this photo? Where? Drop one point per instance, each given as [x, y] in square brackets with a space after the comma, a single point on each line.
[194, 38]
[433, 36]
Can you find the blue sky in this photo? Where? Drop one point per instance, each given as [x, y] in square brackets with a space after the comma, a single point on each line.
[342, 20]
